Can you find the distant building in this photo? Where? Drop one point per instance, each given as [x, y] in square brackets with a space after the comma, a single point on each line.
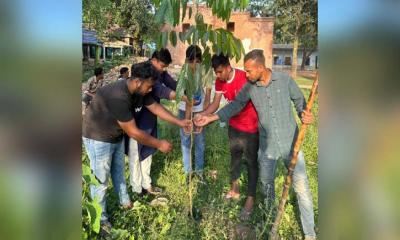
[283, 53]
[254, 32]
[118, 43]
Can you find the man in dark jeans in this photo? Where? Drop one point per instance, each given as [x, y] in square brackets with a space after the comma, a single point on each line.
[272, 94]
[243, 129]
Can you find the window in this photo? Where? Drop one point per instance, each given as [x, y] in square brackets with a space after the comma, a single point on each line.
[276, 59]
[307, 63]
[288, 61]
[230, 26]
[185, 27]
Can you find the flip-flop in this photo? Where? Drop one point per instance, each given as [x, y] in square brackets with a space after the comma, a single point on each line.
[232, 195]
[245, 215]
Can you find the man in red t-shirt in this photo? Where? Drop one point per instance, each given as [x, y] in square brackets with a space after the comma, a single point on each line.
[243, 129]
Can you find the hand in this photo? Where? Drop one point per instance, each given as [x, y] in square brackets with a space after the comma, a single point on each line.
[307, 117]
[201, 120]
[186, 123]
[165, 146]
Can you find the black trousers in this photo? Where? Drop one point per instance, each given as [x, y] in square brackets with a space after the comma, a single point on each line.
[243, 143]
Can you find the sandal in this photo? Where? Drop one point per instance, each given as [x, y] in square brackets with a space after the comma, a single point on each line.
[245, 215]
[232, 195]
[153, 190]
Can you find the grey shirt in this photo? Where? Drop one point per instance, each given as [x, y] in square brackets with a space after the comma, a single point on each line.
[276, 123]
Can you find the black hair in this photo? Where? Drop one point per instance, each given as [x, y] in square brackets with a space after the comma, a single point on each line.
[219, 60]
[162, 55]
[257, 55]
[98, 71]
[144, 71]
[123, 70]
[193, 52]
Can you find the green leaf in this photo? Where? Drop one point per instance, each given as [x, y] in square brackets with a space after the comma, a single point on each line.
[172, 38]
[169, 14]
[164, 39]
[196, 37]
[190, 12]
[161, 12]
[94, 212]
[184, 6]
[88, 176]
[159, 40]
[181, 36]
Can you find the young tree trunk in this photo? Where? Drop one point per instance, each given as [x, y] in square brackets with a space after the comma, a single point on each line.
[304, 59]
[285, 193]
[294, 57]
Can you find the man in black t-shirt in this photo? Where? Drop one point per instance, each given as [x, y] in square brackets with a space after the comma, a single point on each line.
[107, 117]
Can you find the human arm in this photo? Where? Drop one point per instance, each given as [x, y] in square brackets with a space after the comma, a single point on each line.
[142, 137]
[164, 114]
[299, 102]
[214, 105]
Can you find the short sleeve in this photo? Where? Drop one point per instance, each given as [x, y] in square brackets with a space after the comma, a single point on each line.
[161, 91]
[148, 100]
[218, 86]
[120, 109]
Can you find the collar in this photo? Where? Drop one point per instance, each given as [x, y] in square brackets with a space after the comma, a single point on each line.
[274, 77]
[233, 76]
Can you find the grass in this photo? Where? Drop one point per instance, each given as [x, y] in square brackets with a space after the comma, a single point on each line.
[219, 217]
[303, 81]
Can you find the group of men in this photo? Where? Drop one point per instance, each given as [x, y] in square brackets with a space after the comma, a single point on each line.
[262, 127]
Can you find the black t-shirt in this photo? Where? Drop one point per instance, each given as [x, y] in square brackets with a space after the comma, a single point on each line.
[111, 103]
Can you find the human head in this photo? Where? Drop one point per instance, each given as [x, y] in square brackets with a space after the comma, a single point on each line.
[193, 55]
[98, 72]
[124, 72]
[161, 59]
[144, 75]
[254, 65]
[221, 66]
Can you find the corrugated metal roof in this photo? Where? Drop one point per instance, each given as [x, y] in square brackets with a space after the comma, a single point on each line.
[90, 37]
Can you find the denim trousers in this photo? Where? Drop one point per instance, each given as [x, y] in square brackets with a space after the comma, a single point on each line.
[267, 166]
[199, 147]
[107, 159]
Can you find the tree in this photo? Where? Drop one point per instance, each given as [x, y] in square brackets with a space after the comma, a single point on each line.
[95, 17]
[296, 22]
[136, 16]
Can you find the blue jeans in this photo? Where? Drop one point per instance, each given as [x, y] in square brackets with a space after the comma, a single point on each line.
[106, 158]
[199, 147]
[301, 186]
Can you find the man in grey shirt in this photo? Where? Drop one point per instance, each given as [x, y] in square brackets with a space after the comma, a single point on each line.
[272, 94]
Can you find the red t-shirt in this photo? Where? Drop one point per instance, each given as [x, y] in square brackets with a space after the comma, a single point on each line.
[246, 120]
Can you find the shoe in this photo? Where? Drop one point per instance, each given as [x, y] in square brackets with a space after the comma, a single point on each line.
[200, 177]
[127, 206]
[245, 215]
[105, 226]
[153, 190]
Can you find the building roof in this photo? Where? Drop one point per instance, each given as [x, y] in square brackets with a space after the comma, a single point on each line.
[90, 37]
[282, 46]
[286, 46]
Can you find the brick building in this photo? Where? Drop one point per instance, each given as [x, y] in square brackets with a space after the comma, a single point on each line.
[255, 32]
